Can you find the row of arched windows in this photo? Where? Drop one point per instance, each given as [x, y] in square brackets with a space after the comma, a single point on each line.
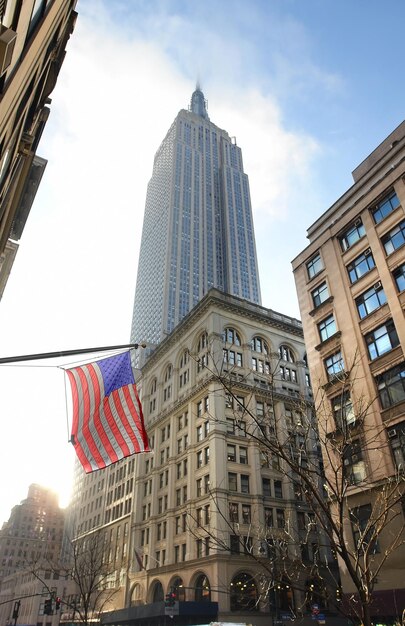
[243, 593]
[229, 336]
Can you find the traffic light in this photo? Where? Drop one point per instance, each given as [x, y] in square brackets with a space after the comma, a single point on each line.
[170, 599]
[57, 603]
[48, 607]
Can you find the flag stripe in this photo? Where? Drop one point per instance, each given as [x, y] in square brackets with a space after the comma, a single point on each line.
[88, 430]
[83, 457]
[107, 450]
[106, 428]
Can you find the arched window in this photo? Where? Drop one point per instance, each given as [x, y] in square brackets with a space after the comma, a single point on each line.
[202, 589]
[243, 593]
[157, 593]
[261, 365]
[202, 352]
[168, 373]
[286, 354]
[184, 372]
[178, 589]
[167, 388]
[230, 335]
[136, 595]
[152, 397]
[184, 359]
[258, 344]
[202, 342]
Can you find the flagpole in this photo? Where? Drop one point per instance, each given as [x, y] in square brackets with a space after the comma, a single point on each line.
[63, 353]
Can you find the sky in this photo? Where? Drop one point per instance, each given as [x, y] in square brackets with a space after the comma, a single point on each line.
[308, 88]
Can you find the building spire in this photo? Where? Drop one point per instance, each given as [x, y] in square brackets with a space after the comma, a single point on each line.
[198, 102]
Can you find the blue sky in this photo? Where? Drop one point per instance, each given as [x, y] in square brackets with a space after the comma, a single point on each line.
[308, 87]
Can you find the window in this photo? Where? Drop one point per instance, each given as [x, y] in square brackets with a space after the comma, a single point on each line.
[234, 512]
[202, 342]
[266, 487]
[302, 524]
[320, 294]
[243, 456]
[364, 532]
[395, 238]
[278, 489]
[370, 300]
[232, 358]
[232, 482]
[396, 437]
[199, 458]
[287, 373]
[391, 386]
[385, 207]
[202, 360]
[334, 364]
[360, 266]
[286, 354]
[382, 340]
[231, 453]
[355, 469]
[314, 266]
[399, 277]
[259, 345]
[352, 234]
[234, 544]
[260, 366]
[244, 483]
[327, 328]
[280, 518]
[343, 412]
[230, 335]
[268, 517]
[246, 514]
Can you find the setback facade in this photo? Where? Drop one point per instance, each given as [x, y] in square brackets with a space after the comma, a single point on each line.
[198, 226]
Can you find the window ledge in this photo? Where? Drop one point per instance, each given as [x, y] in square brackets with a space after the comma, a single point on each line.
[321, 306]
[393, 411]
[329, 340]
[335, 380]
[389, 359]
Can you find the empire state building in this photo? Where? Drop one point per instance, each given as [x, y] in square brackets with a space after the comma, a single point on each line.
[198, 227]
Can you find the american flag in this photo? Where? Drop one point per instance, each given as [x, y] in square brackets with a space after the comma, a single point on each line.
[107, 423]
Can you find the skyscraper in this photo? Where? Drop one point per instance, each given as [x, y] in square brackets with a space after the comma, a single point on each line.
[198, 227]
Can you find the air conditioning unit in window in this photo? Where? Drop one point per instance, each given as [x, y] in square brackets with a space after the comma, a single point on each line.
[392, 432]
[7, 42]
[377, 285]
[357, 222]
[367, 252]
